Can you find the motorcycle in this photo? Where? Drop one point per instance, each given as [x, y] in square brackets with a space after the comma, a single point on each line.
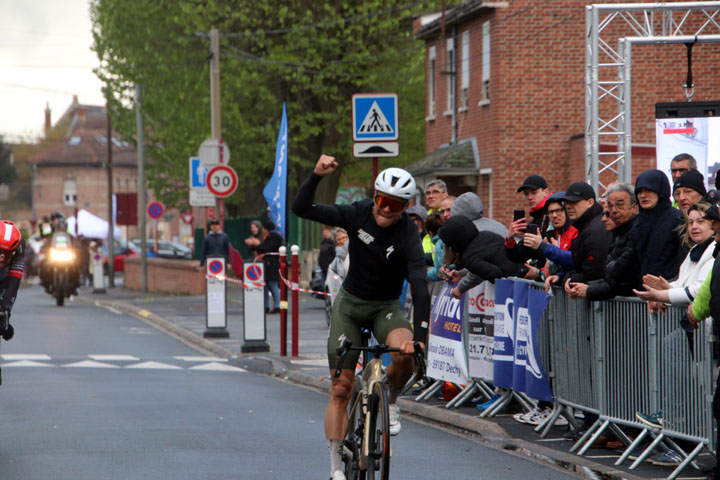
[61, 265]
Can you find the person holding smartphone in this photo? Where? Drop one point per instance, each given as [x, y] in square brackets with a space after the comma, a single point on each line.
[536, 193]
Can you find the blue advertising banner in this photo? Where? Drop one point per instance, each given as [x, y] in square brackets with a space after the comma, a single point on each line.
[536, 382]
[276, 189]
[503, 351]
[446, 353]
[522, 322]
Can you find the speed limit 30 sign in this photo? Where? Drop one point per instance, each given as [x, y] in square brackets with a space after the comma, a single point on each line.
[222, 181]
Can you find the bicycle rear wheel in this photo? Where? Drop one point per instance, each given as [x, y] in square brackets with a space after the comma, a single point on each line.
[352, 446]
[379, 465]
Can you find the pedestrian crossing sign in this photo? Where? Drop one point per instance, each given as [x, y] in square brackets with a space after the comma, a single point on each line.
[375, 117]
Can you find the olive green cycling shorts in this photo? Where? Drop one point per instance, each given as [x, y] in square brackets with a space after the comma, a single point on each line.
[350, 313]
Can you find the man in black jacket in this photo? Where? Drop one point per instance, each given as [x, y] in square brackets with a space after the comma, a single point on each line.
[589, 253]
[216, 243]
[622, 270]
[590, 248]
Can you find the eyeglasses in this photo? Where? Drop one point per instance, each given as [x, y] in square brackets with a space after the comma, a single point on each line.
[433, 192]
[606, 214]
[679, 170]
[555, 211]
[444, 210]
[616, 206]
[395, 205]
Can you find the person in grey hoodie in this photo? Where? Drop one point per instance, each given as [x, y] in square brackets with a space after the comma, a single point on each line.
[470, 206]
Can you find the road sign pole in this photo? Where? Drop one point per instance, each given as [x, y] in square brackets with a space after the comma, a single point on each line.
[215, 298]
[283, 302]
[254, 320]
[295, 300]
[375, 169]
[156, 238]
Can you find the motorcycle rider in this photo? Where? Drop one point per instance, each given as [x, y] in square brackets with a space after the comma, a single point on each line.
[12, 266]
[59, 225]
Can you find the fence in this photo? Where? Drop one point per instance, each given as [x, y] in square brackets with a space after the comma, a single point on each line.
[614, 359]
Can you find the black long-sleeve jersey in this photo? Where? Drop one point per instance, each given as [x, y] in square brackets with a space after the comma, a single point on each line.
[381, 258]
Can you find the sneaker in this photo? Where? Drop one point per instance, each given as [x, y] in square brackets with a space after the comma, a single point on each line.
[543, 415]
[394, 419]
[650, 419]
[338, 475]
[528, 416]
[484, 406]
[669, 458]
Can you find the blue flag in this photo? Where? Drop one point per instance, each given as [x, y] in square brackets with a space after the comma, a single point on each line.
[536, 381]
[275, 191]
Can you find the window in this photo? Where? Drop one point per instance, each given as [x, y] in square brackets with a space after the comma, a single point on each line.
[69, 192]
[450, 76]
[465, 70]
[74, 141]
[431, 85]
[485, 96]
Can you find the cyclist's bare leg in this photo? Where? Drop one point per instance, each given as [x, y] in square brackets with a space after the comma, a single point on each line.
[336, 417]
[401, 368]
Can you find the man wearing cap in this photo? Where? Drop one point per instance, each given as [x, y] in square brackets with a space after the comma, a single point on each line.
[536, 193]
[592, 244]
[706, 304]
[689, 188]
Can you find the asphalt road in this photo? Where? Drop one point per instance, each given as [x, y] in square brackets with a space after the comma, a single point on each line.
[89, 393]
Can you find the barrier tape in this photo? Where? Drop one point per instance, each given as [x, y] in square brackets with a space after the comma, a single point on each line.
[292, 286]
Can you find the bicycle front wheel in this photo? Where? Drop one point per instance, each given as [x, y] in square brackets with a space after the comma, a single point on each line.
[379, 465]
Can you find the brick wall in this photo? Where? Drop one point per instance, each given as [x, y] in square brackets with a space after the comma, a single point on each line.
[164, 275]
[537, 93]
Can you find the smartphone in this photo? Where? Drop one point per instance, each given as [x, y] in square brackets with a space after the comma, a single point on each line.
[518, 214]
[531, 228]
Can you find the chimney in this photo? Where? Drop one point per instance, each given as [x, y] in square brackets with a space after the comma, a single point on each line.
[48, 123]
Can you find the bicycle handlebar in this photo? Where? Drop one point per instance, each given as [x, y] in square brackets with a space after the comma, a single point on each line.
[378, 350]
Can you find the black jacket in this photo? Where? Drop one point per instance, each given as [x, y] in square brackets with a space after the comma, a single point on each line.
[327, 253]
[271, 244]
[655, 236]
[519, 253]
[215, 244]
[482, 253]
[590, 248]
[622, 270]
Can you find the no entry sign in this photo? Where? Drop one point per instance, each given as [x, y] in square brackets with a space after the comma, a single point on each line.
[222, 181]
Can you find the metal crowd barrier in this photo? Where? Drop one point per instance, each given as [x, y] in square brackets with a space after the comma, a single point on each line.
[615, 359]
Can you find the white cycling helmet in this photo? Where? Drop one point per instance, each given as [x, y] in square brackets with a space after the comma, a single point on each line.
[396, 182]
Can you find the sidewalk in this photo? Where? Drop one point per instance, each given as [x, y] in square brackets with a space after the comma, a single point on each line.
[184, 318]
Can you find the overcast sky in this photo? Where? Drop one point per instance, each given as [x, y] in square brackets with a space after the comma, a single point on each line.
[45, 57]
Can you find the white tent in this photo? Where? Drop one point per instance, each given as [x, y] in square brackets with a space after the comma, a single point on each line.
[90, 226]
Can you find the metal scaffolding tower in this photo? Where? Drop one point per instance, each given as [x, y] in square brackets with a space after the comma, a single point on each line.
[640, 23]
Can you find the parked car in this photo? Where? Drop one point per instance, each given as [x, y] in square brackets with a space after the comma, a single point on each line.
[166, 249]
[121, 251]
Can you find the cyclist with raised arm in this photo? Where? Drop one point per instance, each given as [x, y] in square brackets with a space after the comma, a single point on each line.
[12, 266]
[384, 249]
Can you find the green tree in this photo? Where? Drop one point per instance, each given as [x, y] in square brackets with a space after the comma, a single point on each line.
[313, 54]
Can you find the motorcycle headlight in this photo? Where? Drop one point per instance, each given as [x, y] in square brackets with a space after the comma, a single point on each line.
[57, 255]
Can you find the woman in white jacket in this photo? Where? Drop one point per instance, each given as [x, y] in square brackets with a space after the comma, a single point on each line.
[658, 292]
[694, 270]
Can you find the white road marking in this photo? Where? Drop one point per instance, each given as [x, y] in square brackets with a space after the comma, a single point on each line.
[91, 363]
[27, 363]
[114, 358]
[24, 356]
[155, 366]
[201, 359]
[311, 362]
[113, 309]
[219, 367]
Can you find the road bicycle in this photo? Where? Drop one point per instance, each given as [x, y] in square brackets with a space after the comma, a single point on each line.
[366, 448]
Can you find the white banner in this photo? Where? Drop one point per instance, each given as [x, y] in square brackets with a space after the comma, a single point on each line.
[481, 310]
[446, 353]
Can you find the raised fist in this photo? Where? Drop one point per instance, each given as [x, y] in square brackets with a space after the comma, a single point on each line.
[326, 164]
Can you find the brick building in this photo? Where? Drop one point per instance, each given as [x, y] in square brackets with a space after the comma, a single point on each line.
[505, 96]
[71, 172]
